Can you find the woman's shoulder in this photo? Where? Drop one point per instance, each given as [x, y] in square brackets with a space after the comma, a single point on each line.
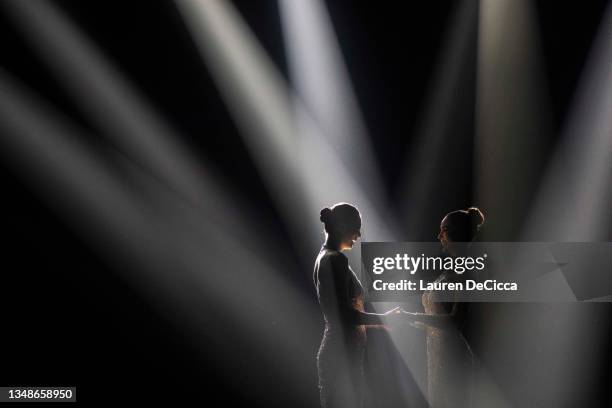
[333, 257]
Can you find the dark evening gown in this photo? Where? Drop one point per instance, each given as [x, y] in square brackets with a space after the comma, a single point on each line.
[341, 354]
[449, 356]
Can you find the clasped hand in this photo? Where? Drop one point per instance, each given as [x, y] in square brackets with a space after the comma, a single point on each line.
[410, 317]
[399, 311]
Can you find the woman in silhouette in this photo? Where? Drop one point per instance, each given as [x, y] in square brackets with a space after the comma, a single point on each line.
[449, 356]
[341, 354]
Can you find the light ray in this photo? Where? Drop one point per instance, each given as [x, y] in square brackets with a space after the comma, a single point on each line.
[322, 82]
[426, 172]
[304, 173]
[187, 267]
[573, 203]
[513, 116]
[113, 104]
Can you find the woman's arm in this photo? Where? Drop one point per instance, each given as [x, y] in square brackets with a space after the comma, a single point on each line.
[440, 321]
[376, 319]
[348, 313]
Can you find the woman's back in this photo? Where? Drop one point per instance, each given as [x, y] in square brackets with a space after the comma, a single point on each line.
[339, 292]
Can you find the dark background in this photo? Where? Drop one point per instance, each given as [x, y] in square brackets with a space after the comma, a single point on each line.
[69, 319]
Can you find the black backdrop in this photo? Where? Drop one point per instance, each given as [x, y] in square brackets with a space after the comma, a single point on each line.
[69, 319]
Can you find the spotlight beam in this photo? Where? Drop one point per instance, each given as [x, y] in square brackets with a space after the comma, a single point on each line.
[263, 105]
[573, 201]
[513, 116]
[162, 240]
[571, 204]
[322, 82]
[425, 169]
[113, 105]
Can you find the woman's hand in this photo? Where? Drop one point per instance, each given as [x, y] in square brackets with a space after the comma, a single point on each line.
[409, 316]
[412, 319]
[397, 311]
[418, 325]
[394, 313]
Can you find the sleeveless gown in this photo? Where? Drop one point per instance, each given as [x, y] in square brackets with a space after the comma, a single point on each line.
[341, 354]
[449, 357]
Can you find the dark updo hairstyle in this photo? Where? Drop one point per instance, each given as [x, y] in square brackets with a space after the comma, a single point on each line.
[341, 219]
[463, 225]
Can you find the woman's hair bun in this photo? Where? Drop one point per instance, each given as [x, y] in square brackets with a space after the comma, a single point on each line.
[476, 216]
[463, 225]
[325, 215]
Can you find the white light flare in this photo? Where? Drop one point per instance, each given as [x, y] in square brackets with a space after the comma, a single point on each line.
[322, 82]
[304, 173]
[187, 267]
[513, 115]
[125, 117]
[573, 203]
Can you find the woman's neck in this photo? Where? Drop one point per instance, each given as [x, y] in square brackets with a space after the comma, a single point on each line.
[332, 243]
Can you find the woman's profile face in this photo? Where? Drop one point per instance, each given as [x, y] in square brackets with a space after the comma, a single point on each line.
[351, 239]
[443, 234]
